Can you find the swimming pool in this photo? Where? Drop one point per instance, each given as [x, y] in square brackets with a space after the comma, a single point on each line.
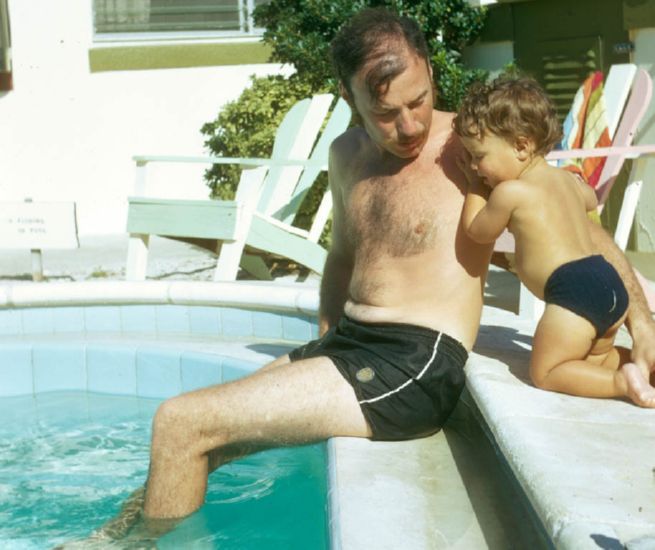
[70, 374]
[70, 459]
[154, 339]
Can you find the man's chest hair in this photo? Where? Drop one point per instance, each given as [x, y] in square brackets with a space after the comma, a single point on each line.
[400, 215]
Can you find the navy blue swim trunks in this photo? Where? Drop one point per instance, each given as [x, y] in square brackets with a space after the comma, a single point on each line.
[407, 379]
[591, 288]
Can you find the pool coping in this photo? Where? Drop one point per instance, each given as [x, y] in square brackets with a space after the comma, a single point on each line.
[584, 464]
[278, 297]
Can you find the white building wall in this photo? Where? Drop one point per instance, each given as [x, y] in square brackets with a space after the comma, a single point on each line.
[69, 134]
[490, 56]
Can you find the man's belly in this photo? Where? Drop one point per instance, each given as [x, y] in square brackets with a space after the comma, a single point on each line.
[432, 290]
[461, 322]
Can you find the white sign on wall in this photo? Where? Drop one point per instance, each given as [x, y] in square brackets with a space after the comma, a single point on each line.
[38, 225]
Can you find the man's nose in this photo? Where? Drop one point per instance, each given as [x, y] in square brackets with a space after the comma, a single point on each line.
[406, 125]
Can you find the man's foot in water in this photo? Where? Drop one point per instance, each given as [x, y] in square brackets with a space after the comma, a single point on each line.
[129, 530]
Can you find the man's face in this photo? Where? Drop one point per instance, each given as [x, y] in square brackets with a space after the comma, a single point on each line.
[399, 120]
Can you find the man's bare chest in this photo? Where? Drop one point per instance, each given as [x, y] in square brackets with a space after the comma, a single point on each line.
[400, 215]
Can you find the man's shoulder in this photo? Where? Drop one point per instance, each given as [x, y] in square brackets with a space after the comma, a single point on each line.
[352, 142]
[442, 131]
[354, 136]
[444, 115]
[443, 120]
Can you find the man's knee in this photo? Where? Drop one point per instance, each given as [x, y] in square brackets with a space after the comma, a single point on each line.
[280, 361]
[172, 421]
[180, 425]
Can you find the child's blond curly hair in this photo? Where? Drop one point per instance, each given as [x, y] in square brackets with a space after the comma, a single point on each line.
[510, 107]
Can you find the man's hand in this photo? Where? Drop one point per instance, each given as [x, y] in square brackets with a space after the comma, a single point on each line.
[643, 345]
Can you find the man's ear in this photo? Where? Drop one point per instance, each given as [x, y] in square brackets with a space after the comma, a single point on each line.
[524, 147]
[350, 100]
[343, 92]
[432, 86]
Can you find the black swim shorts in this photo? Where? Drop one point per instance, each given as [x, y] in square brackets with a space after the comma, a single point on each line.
[591, 288]
[407, 378]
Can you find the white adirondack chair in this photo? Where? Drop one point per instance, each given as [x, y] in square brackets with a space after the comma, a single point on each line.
[268, 196]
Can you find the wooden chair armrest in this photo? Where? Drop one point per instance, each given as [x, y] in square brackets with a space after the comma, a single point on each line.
[631, 152]
[247, 162]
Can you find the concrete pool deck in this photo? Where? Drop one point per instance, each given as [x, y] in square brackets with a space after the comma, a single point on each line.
[586, 466]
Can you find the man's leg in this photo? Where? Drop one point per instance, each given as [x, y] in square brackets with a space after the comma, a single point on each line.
[218, 457]
[283, 404]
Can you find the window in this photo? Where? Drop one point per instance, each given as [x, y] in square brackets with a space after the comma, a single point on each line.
[171, 19]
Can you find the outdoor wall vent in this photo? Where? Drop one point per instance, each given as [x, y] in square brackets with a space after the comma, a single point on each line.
[624, 47]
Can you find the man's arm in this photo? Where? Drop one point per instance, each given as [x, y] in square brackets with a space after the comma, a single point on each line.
[640, 321]
[588, 195]
[339, 263]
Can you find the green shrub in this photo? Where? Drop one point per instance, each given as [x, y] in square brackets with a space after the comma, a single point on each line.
[246, 127]
[299, 33]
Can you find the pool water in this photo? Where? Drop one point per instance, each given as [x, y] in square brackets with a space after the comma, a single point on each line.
[68, 460]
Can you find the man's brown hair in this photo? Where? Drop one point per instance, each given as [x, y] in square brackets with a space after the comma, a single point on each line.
[380, 37]
[510, 107]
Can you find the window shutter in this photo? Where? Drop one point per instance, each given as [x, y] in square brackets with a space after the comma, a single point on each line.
[564, 66]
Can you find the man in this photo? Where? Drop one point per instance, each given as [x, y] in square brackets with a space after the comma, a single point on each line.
[401, 295]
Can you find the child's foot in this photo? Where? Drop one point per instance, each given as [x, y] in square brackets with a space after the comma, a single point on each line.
[639, 389]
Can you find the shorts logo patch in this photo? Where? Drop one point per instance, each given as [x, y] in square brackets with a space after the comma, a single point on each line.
[365, 375]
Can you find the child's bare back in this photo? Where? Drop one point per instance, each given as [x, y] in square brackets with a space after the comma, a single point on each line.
[548, 222]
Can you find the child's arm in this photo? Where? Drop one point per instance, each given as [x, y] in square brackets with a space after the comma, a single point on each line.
[484, 219]
[476, 199]
[587, 192]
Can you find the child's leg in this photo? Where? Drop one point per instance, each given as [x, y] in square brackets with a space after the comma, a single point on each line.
[566, 357]
[635, 382]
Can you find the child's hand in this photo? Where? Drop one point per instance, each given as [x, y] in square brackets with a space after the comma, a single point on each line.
[475, 186]
[463, 160]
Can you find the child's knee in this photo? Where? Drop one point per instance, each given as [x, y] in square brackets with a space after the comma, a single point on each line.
[538, 375]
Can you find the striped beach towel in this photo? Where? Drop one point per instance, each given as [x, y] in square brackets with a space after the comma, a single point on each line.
[585, 127]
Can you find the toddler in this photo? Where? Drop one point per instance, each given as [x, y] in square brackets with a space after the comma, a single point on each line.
[507, 128]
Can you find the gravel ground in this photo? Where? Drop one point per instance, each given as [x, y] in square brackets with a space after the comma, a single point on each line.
[104, 257]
